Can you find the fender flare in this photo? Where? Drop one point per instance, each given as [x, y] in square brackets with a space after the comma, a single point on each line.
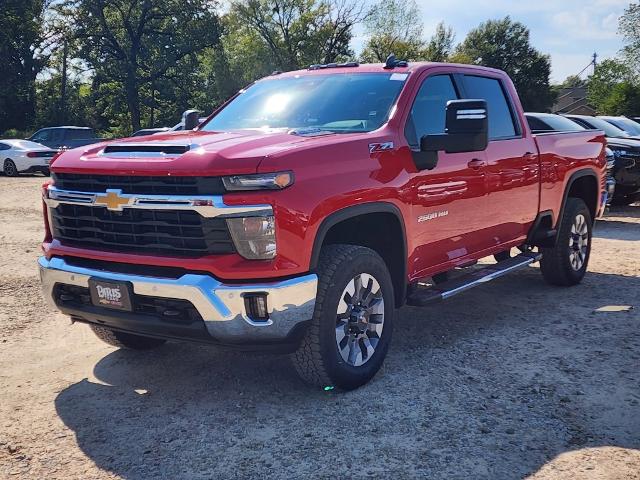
[584, 172]
[355, 211]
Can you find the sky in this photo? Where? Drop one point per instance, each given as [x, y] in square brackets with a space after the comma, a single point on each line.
[568, 30]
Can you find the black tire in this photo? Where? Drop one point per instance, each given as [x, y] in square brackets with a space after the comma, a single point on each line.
[126, 340]
[46, 172]
[556, 264]
[10, 169]
[318, 360]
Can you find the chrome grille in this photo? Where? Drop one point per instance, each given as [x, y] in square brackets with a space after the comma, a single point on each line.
[180, 233]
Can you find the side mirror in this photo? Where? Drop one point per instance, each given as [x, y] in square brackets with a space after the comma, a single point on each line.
[466, 130]
[191, 119]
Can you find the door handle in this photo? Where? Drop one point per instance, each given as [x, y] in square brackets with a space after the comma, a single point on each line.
[476, 163]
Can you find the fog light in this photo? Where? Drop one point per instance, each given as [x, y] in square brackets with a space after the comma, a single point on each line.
[255, 305]
[254, 237]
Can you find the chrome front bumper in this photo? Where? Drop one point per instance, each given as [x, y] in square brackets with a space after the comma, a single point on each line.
[221, 306]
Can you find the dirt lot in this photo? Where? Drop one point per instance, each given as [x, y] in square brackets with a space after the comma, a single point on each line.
[515, 379]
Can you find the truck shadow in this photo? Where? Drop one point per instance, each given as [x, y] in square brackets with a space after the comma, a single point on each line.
[493, 384]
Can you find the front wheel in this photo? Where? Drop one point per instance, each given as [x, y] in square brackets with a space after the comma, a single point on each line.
[565, 264]
[349, 335]
[10, 169]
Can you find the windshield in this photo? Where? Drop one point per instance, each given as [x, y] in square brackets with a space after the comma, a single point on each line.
[627, 125]
[358, 102]
[609, 130]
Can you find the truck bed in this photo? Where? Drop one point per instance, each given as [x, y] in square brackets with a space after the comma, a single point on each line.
[561, 154]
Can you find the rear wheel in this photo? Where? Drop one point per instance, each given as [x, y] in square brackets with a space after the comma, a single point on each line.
[10, 169]
[126, 340]
[349, 335]
[566, 263]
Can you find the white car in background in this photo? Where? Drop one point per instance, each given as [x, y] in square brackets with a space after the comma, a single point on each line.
[23, 156]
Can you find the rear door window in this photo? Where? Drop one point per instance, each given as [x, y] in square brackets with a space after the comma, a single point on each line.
[501, 118]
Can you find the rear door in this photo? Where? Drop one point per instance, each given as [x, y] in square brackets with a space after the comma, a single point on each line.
[512, 170]
[446, 201]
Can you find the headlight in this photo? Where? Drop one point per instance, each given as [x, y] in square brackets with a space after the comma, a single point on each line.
[254, 237]
[260, 181]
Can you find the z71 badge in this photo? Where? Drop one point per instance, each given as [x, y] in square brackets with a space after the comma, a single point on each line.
[380, 147]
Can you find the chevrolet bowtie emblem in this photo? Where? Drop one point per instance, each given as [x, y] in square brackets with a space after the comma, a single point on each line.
[112, 200]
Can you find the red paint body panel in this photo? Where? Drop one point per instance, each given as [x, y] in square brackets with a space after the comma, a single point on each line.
[488, 208]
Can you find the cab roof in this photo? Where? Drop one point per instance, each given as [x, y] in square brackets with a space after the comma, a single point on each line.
[379, 68]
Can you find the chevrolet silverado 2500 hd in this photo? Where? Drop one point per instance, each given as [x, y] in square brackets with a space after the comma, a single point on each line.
[310, 207]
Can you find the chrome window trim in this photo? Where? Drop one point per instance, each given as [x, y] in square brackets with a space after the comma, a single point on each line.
[208, 206]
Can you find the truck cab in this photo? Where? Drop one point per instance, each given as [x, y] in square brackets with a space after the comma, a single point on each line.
[311, 206]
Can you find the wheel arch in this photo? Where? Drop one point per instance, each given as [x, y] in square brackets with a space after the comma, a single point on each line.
[340, 227]
[582, 184]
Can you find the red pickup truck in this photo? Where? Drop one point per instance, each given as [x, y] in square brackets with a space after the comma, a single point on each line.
[310, 207]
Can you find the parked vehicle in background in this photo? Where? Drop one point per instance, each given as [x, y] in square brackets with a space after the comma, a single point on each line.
[627, 157]
[595, 123]
[150, 131]
[178, 127]
[550, 122]
[65, 137]
[625, 124]
[312, 206]
[23, 156]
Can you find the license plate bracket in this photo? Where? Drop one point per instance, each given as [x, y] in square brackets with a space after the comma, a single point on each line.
[111, 294]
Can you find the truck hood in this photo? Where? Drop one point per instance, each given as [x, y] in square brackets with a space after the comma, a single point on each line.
[631, 143]
[184, 153]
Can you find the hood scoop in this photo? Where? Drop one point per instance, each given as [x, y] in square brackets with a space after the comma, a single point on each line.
[145, 150]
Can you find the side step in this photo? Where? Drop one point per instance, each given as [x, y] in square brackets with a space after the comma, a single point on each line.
[437, 293]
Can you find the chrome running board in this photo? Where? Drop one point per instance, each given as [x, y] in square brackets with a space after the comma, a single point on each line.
[427, 296]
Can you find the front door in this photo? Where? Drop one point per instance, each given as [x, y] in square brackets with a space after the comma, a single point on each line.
[447, 202]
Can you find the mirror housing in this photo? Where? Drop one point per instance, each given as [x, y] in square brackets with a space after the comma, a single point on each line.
[466, 130]
[190, 119]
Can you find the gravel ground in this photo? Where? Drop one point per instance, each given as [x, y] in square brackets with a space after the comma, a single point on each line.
[515, 379]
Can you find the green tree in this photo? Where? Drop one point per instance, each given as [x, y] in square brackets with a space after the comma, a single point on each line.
[629, 28]
[613, 89]
[22, 38]
[504, 44]
[394, 26]
[441, 45]
[295, 33]
[574, 81]
[137, 48]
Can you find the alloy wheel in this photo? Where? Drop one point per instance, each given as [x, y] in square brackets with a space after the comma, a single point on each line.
[10, 169]
[578, 242]
[360, 319]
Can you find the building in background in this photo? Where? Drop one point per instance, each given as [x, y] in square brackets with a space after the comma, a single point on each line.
[573, 100]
